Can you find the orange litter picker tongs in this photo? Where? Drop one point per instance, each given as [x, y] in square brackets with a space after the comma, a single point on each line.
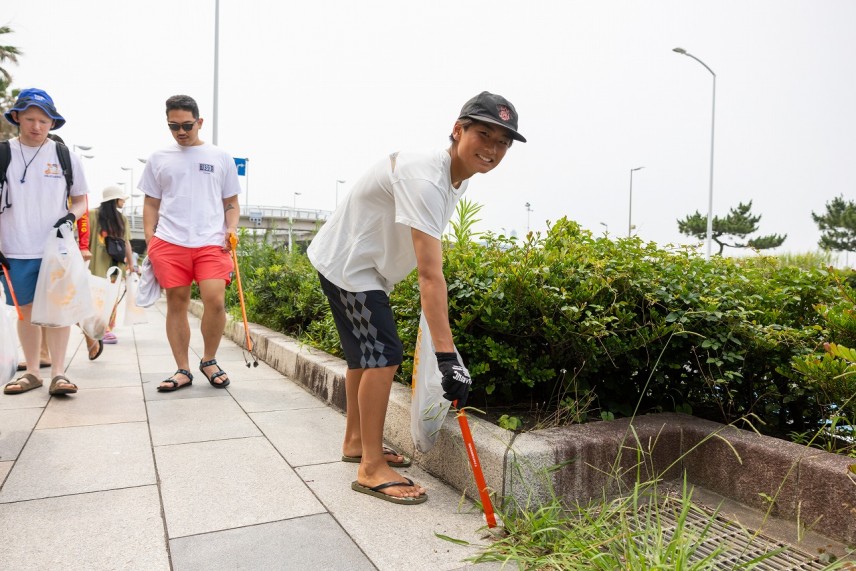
[12, 293]
[233, 242]
[487, 506]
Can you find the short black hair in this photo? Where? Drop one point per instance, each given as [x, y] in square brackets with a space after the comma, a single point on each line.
[182, 102]
[466, 123]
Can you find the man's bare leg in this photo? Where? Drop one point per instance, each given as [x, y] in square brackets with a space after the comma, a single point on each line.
[30, 337]
[58, 345]
[213, 293]
[353, 444]
[372, 399]
[178, 329]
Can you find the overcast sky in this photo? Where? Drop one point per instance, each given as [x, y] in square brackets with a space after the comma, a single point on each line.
[315, 91]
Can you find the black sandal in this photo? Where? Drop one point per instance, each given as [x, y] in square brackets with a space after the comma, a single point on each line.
[219, 373]
[175, 386]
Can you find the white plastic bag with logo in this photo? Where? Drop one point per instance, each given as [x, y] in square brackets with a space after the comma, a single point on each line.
[428, 408]
[62, 295]
[149, 290]
[8, 342]
[134, 314]
[105, 295]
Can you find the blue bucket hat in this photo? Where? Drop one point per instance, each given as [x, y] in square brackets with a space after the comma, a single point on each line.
[39, 98]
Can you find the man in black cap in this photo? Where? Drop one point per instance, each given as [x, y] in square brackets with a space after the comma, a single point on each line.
[392, 221]
[34, 200]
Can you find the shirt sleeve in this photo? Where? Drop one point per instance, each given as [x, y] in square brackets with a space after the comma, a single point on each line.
[231, 184]
[420, 204]
[148, 183]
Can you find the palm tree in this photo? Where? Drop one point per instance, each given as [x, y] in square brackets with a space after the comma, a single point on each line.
[7, 53]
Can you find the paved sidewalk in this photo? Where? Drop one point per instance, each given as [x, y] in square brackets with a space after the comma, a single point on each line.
[120, 476]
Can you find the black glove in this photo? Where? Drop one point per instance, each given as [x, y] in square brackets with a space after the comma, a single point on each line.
[67, 219]
[456, 381]
[3, 261]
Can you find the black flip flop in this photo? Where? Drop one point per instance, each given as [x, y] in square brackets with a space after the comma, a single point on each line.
[175, 386]
[100, 349]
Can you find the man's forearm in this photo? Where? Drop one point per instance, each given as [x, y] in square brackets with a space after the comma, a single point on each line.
[435, 304]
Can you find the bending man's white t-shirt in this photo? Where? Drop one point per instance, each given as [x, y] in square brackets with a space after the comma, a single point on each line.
[367, 243]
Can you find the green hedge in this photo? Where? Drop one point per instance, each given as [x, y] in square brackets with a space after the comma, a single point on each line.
[633, 325]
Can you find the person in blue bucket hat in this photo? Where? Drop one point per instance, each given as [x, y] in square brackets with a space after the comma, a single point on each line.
[34, 199]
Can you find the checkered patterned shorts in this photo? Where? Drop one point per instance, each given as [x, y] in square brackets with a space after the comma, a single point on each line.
[366, 326]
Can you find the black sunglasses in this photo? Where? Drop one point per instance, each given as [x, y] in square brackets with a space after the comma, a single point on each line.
[186, 127]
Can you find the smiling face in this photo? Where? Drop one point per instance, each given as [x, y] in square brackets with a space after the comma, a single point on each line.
[182, 118]
[35, 125]
[477, 148]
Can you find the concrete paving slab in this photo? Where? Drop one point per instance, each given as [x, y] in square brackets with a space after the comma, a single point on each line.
[94, 406]
[238, 370]
[151, 381]
[36, 398]
[198, 419]
[75, 460]
[308, 436]
[100, 375]
[15, 427]
[119, 529]
[311, 543]
[213, 486]
[272, 394]
[4, 470]
[396, 537]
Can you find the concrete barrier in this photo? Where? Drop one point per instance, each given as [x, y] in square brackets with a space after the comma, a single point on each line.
[579, 463]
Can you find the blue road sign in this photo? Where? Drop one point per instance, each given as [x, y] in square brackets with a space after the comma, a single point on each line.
[242, 166]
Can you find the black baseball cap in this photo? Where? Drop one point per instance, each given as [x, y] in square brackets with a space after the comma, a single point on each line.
[495, 109]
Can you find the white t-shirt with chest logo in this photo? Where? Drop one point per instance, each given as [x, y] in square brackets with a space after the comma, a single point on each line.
[38, 202]
[191, 183]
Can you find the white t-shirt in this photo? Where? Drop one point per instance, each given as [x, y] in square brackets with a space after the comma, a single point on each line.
[38, 202]
[191, 183]
[367, 244]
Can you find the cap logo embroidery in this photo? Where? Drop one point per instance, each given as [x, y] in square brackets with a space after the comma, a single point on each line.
[504, 112]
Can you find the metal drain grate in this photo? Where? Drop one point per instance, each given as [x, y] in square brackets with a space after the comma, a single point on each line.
[733, 544]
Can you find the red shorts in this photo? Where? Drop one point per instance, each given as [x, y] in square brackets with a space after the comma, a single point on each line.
[177, 266]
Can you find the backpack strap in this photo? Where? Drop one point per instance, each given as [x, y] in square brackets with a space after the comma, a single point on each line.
[64, 156]
[5, 160]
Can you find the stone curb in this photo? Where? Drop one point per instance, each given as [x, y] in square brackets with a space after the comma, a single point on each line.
[582, 462]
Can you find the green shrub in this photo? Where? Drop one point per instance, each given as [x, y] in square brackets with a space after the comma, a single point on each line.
[637, 326]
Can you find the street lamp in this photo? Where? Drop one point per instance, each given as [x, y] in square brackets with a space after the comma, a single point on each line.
[338, 182]
[605, 227]
[528, 210]
[131, 194]
[81, 147]
[291, 223]
[630, 208]
[712, 124]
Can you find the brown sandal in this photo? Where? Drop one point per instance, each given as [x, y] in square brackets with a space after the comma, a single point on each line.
[25, 383]
[57, 390]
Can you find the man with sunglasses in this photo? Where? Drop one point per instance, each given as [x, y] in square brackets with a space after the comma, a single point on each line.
[190, 208]
[33, 201]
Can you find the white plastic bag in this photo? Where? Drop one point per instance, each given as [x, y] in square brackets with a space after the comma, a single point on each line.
[105, 295]
[8, 343]
[149, 290]
[62, 295]
[428, 408]
[134, 314]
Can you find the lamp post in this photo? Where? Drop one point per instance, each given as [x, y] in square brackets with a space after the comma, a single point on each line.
[712, 124]
[131, 194]
[605, 227]
[338, 182]
[291, 223]
[630, 208]
[528, 210]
